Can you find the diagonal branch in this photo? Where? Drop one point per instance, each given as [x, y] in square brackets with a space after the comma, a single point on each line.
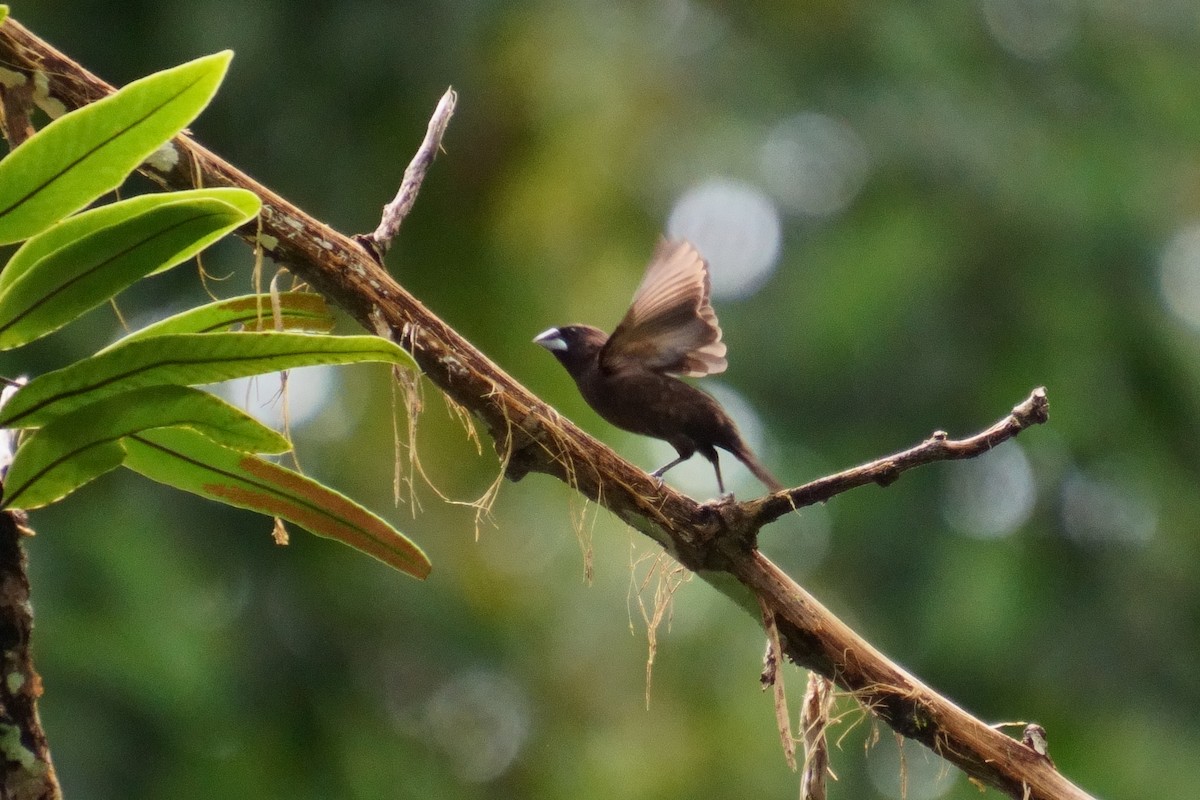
[714, 540]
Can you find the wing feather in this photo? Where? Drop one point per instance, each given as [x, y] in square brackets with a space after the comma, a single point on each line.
[670, 326]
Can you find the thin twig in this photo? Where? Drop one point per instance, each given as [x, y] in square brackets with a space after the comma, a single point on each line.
[1034, 410]
[380, 241]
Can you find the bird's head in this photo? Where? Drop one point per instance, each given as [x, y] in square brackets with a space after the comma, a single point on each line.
[575, 346]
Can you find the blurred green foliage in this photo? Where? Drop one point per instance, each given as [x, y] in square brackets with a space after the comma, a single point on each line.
[1028, 167]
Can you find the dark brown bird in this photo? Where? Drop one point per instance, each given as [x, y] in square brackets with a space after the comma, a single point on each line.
[628, 378]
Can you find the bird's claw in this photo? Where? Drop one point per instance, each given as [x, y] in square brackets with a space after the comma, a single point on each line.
[720, 500]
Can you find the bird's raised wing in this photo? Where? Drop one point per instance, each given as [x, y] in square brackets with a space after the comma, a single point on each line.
[670, 327]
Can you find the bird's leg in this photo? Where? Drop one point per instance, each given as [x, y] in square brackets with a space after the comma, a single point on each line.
[658, 473]
[716, 462]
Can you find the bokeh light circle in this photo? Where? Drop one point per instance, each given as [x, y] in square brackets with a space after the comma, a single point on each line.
[1179, 275]
[814, 164]
[736, 228]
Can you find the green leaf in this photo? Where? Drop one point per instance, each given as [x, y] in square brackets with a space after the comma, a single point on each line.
[79, 225]
[185, 359]
[298, 311]
[28, 489]
[80, 446]
[193, 463]
[90, 151]
[57, 288]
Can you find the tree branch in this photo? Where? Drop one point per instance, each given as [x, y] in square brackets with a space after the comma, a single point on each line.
[1034, 410]
[716, 541]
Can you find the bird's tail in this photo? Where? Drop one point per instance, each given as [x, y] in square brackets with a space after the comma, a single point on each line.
[743, 454]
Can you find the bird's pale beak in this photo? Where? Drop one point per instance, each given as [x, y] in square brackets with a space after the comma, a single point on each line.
[552, 340]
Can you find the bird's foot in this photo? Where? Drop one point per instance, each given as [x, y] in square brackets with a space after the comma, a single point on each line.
[721, 500]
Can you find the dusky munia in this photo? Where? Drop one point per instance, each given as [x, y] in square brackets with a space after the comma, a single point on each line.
[629, 378]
